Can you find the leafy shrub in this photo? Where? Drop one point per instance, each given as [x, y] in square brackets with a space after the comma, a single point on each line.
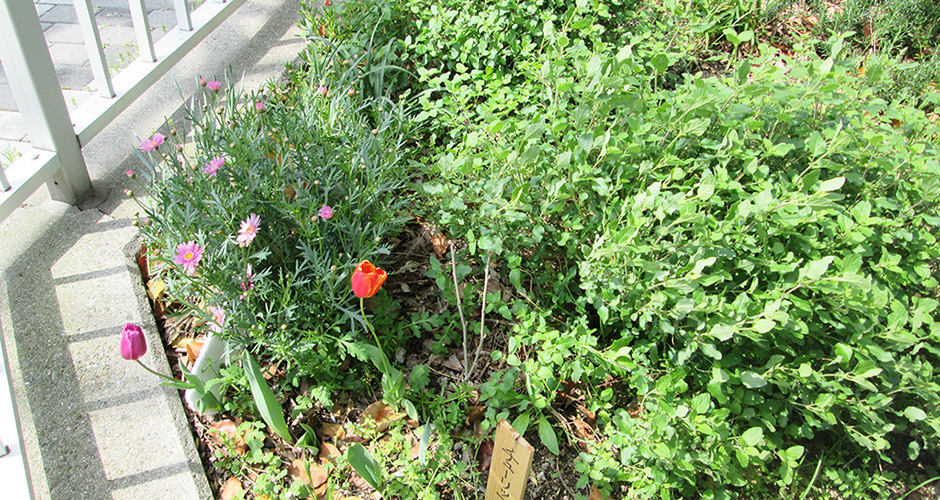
[753, 256]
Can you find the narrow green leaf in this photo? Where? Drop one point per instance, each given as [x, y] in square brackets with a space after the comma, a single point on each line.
[267, 404]
[361, 460]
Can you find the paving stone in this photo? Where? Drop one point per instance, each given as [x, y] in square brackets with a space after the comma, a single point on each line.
[7, 102]
[63, 33]
[119, 56]
[71, 54]
[118, 35]
[75, 98]
[56, 2]
[12, 127]
[74, 77]
[114, 17]
[42, 8]
[60, 14]
[162, 18]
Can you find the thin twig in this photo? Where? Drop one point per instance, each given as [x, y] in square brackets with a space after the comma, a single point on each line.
[476, 355]
[463, 322]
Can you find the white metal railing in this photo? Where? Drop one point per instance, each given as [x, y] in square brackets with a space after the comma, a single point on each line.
[56, 137]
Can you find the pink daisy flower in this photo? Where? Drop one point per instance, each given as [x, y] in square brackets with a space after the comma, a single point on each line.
[188, 255]
[259, 106]
[152, 143]
[218, 319]
[214, 85]
[322, 89]
[248, 230]
[214, 165]
[325, 212]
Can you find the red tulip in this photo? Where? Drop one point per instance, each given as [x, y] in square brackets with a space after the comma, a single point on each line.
[133, 344]
[367, 279]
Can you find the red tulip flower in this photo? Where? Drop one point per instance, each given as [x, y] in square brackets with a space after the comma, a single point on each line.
[133, 344]
[367, 279]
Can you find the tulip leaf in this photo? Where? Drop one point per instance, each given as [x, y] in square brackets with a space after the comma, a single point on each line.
[267, 404]
[361, 460]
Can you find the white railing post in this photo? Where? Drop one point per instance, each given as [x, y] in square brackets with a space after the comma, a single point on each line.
[36, 90]
[92, 37]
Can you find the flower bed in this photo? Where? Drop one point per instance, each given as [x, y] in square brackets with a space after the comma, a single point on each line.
[673, 283]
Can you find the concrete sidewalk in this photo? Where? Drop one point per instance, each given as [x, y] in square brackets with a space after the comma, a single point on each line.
[94, 425]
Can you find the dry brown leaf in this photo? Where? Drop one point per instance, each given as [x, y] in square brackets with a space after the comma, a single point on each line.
[485, 454]
[328, 452]
[596, 494]
[310, 474]
[233, 486]
[155, 289]
[320, 491]
[193, 348]
[332, 431]
[584, 432]
[272, 371]
[475, 414]
[228, 428]
[142, 263]
[440, 244]
[382, 415]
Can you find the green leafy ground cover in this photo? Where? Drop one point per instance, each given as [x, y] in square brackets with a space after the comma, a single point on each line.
[691, 254]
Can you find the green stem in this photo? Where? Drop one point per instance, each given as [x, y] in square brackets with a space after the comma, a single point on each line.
[362, 309]
[145, 367]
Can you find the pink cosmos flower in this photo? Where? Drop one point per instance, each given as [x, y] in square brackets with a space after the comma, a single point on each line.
[322, 90]
[248, 230]
[259, 106]
[325, 212]
[218, 319]
[214, 165]
[188, 255]
[152, 143]
[214, 85]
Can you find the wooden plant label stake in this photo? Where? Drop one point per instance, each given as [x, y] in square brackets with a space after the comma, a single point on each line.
[509, 468]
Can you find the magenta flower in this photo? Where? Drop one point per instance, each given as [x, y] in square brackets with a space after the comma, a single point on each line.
[188, 255]
[130, 174]
[202, 82]
[325, 212]
[152, 143]
[133, 343]
[218, 319]
[322, 89]
[214, 165]
[214, 85]
[259, 106]
[248, 230]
